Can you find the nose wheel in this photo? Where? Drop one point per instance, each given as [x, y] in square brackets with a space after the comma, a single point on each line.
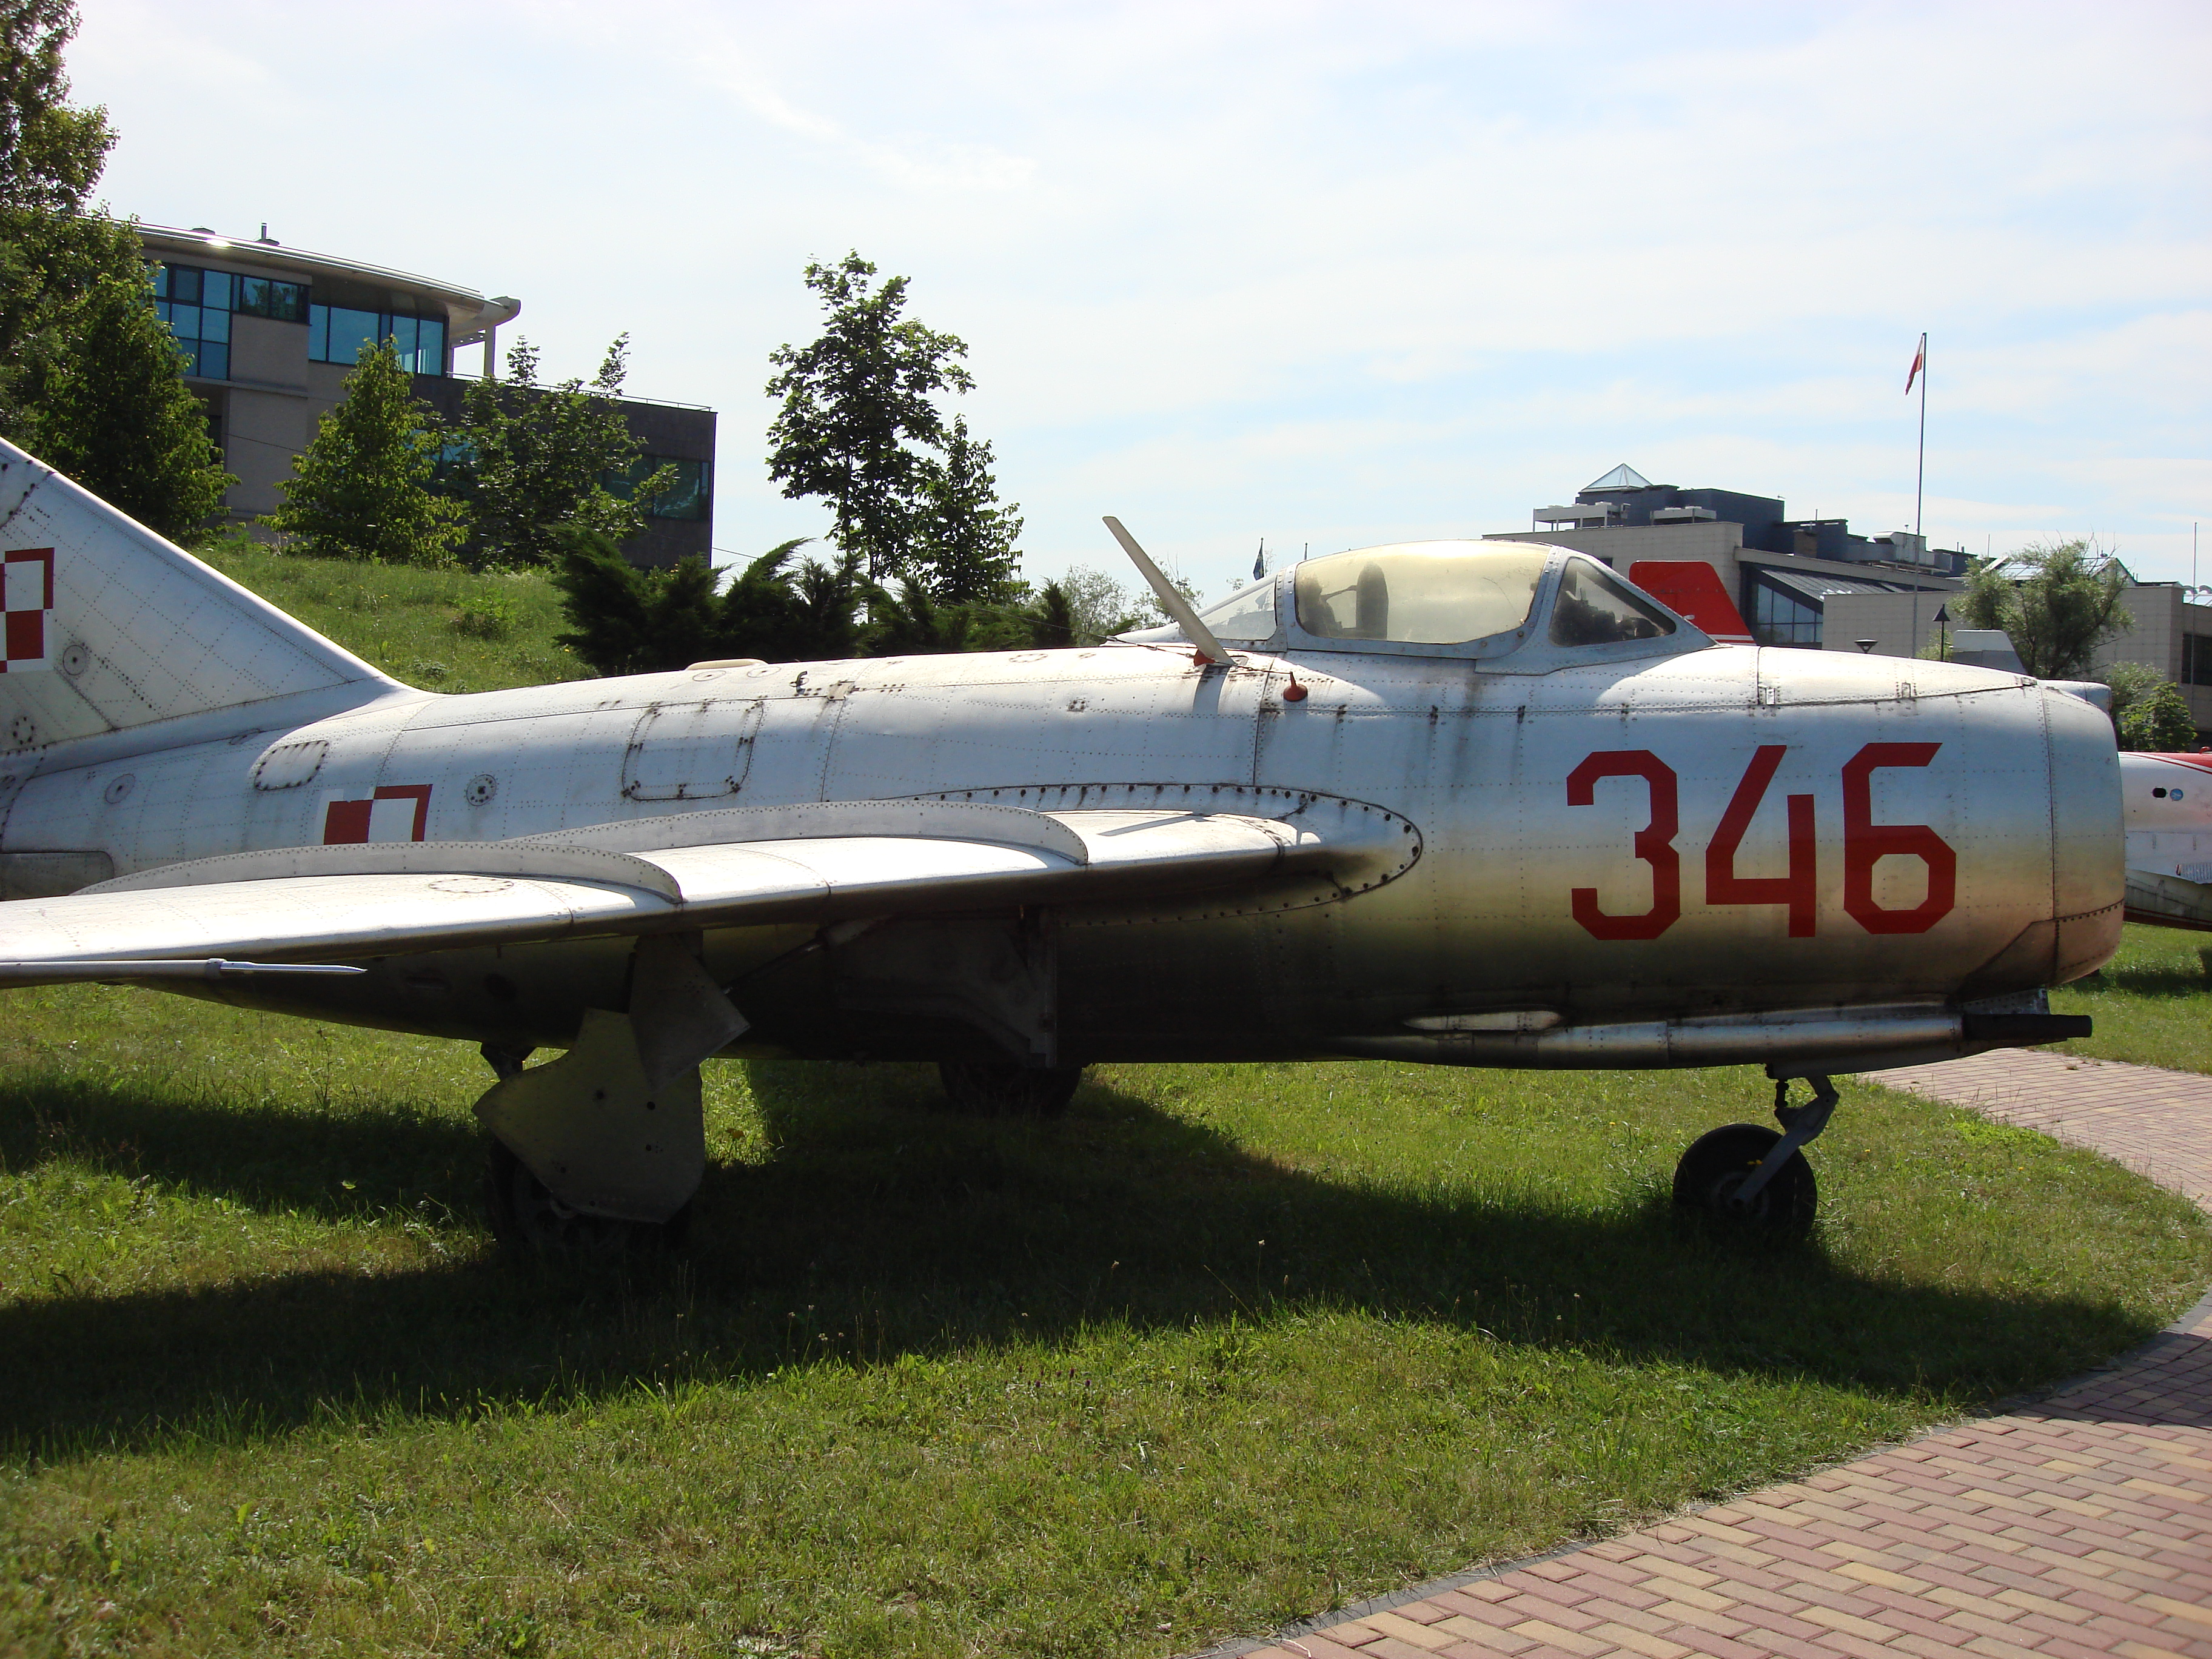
[1748, 1177]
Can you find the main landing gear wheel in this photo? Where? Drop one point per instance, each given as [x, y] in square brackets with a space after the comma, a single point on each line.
[990, 1089]
[1751, 1178]
[526, 1216]
[1719, 1162]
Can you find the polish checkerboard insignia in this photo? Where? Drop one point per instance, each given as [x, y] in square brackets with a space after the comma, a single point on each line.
[394, 812]
[27, 593]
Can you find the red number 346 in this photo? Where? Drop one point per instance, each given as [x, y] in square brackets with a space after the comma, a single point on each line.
[1865, 844]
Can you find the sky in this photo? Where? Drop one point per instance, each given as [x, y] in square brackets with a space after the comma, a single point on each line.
[1327, 275]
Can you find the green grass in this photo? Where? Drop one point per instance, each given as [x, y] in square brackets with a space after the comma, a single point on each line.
[1228, 1345]
[443, 631]
[2152, 1002]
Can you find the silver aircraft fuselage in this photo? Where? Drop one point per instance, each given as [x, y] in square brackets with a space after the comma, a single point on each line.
[1721, 832]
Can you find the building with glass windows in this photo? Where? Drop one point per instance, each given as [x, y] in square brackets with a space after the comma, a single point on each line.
[269, 333]
[1782, 573]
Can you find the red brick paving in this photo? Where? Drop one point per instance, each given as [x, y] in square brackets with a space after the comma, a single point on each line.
[2078, 1528]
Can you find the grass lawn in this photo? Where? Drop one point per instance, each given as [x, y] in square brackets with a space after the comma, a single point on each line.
[443, 631]
[1228, 1345]
[2152, 1002]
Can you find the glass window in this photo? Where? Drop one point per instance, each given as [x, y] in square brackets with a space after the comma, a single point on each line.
[1248, 614]
[351, 330]
[2196, 659]
[216, 288]
[185, 284]
[430, 355]
[214, 360]
[1593, 609]
[1445, 594]
[689, 497]
[215, 324]
[400, 330]
[264, 296]
[1782, 619]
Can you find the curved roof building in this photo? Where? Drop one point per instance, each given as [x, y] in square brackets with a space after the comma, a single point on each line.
[270, 333]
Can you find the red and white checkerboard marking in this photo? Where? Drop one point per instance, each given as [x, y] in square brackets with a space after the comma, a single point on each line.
[397, 811]
[26, 594]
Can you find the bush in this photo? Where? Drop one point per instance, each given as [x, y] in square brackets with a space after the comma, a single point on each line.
[486, 616]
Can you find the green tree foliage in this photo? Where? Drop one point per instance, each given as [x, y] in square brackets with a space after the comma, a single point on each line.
[51, 156]
[529, 463]
[1052, 619]
[629, 621]
[116, 416]
[1099, 607]
[2058, 600]
[90, 381]
[2148, 711]
[914, 498]
[964, 539]
[361, 489]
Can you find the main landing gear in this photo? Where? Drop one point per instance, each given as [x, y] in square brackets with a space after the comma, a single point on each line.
[1749, 1176]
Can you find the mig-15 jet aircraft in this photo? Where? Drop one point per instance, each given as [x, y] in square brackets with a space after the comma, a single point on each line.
[2168, 818]
[1460, 803]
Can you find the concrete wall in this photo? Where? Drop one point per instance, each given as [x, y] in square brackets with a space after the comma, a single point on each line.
[1885, 618]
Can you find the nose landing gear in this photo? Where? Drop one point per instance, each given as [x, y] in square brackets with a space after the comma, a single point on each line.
[1749, 1176]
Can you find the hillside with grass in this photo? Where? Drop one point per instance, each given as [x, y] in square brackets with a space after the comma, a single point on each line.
[444, 630]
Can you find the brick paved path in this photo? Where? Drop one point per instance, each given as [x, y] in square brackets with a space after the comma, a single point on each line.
[2080, 1525]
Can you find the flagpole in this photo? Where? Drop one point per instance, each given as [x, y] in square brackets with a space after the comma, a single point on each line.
[1919, 484]
[1920, 477]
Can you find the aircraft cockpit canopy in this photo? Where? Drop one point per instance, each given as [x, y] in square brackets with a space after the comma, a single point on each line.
[1543, 606]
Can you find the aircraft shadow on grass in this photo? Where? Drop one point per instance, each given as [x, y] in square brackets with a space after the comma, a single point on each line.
[879, 1229]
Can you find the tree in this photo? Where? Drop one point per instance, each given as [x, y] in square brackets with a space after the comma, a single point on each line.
[629, 621]
[2058, 600]
[90, 381]
[964, 539]
[1099, 607]
[51, 156]
[2148, 712]
[115, 415]
[913, 498]
[530, 462]
[360, 490]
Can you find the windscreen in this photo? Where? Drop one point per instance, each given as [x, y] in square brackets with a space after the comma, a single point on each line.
[1594, 609]
[1248, 614]
[1445, 594]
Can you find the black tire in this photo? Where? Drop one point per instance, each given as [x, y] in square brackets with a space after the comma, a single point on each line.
[991, 1089]
[526, 1216]
[1717, 1164]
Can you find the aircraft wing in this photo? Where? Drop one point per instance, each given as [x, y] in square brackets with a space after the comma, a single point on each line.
[792, 864]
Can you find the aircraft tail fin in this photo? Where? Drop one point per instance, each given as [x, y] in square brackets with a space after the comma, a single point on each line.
[108, 627]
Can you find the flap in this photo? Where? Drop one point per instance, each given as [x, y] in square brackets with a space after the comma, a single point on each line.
[337, 903]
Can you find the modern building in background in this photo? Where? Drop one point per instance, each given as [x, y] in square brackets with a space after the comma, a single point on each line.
[270, 333]
[1780, 572]
[1813, 583]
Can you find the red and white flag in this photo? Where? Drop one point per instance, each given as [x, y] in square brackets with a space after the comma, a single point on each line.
[1919, 362]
